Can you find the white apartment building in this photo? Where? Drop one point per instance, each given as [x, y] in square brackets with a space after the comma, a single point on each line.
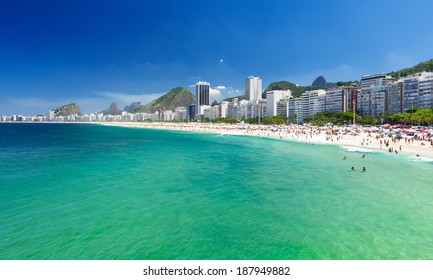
[313, 102]
[426, 90]
[215, 112]
[272, 98]
[417, 91]
[375, 80]
[295, 109]
[180, 113]
[232, 109]
[283, 107]
[253, 88]
[334, 100]
[224, 109]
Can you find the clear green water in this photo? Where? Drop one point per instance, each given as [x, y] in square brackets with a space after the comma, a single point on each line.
[94, 192]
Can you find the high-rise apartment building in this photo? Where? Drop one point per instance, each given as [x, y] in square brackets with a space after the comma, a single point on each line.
[201, 97]
[313, 102]
[395, 94]
[272, 98]
[253, 88]
[426, 90]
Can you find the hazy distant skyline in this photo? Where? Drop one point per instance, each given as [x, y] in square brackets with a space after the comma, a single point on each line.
[97, 52]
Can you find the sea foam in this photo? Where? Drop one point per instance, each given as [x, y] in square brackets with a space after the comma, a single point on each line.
[356, 149]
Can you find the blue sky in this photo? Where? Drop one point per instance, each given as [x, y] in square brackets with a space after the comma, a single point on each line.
[97, 52]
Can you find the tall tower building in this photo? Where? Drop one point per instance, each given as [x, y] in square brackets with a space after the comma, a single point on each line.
[201, 96]
[253, 88]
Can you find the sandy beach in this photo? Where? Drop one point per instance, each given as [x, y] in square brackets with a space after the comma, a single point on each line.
[351, 138]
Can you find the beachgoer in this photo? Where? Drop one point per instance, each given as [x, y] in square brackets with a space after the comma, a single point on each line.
[363, 156]
[364, 169]
[344, 158]
[353, 168]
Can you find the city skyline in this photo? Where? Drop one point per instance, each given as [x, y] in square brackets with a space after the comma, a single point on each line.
[94, 53]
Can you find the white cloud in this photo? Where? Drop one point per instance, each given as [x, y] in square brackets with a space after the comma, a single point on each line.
[221, 92]
[214, 94]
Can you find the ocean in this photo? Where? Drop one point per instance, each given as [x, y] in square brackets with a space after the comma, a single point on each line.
[84, 191]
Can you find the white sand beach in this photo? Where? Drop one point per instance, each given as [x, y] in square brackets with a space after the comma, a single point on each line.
[361, 138]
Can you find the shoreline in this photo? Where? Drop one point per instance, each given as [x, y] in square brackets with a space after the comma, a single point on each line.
[355, 137]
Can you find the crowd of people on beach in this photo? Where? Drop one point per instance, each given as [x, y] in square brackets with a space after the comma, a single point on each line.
[412, 140]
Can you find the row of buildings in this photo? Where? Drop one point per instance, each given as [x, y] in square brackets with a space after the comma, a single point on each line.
[376, 95]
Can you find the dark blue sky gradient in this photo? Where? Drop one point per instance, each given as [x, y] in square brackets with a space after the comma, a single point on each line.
[95, 52]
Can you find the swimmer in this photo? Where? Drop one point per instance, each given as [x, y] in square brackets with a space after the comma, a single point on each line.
[363, 156]
[364, 169]
[344, 158]
[353, 168]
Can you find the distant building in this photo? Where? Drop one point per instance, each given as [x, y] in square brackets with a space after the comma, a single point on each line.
[395, 95]
[224, 109]
[313, 102]
[373, 98]
[417, 91]
[375, 80]
[51, 115]
[426, 90]
[283, 107]
[201, 96]
[232, 109]
[180, 113]
[253, 88]
[295, 110]
[341, 99]
[272, 98]
[190, 112]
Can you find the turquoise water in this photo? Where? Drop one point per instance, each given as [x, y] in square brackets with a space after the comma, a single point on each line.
[71, 191]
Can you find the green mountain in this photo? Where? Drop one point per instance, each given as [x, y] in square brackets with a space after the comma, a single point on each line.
[177, 97]
[67, 110]
[420, 67]
[295, 89]
[113, 110]
[240, 97]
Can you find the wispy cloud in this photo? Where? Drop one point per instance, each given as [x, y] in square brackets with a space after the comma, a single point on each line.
[221, 92]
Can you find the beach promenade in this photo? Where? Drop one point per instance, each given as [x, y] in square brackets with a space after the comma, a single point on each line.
[397, 141]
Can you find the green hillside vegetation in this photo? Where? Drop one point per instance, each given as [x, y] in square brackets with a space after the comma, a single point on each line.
[420, 67]
[177, 97]
[295, 89]
[229, 99]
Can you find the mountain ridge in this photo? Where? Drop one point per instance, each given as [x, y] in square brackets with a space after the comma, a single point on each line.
[176, 97]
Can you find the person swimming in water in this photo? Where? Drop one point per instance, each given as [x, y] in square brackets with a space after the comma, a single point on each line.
[344, 158]
[363, 156]
[364, 169]
[353, 168]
